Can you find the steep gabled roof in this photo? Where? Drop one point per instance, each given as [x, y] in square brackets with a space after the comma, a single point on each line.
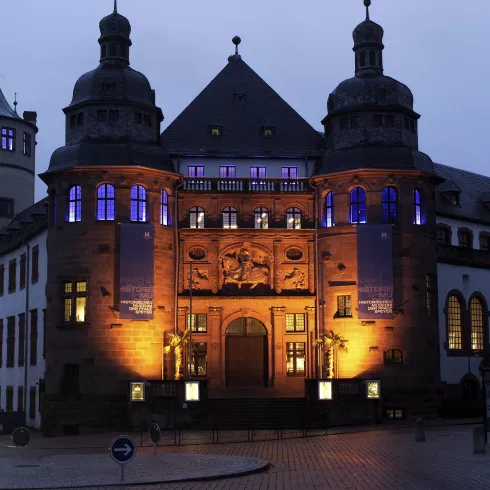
[474, 192]
[241, 120]
[5, 109]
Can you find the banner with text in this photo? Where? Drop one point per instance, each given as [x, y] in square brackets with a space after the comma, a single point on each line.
[375, 271]
[136, 271]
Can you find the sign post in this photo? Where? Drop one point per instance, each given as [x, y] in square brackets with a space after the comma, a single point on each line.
[155, 434]
[21, 437]
[122, 450]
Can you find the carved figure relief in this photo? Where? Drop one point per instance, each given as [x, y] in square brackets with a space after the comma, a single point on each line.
[294, 279]
[245, 265]
[200, 280]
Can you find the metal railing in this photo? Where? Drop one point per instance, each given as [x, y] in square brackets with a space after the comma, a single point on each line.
[205, 184]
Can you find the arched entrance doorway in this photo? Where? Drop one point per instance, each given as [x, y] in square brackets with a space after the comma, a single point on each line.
[246, 354]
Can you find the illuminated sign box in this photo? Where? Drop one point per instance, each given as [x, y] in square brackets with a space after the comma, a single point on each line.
[192, 391]
[325, 390]
[373, 389]
[137, 391]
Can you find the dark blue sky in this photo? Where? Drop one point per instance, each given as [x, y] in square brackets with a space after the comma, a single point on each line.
[439, 48]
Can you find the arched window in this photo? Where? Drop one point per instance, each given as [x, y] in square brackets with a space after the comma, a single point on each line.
[357, 212]
[230, 217]
[261, 218]
[139, 205]
[74, 211]
[389, 200]
[196, 217]
[454, 323]
[362, 59]
[293, 216]
[106, 198]
[164, 208]
[418, 216]
[113, 49]
[372, 58]
[477, 326]
[329, 210]
[393, 356]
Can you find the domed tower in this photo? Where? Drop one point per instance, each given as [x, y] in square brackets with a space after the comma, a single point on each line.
[17, 160]
[376, 231]
[111, 241]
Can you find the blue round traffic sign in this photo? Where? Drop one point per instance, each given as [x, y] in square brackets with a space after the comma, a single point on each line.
[123, 449]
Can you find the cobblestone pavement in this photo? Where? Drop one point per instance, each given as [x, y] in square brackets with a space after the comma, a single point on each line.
[387, 459]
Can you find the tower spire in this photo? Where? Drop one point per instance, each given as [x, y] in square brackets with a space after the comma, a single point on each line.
[15, 103]
[115, 6]
[367, 3]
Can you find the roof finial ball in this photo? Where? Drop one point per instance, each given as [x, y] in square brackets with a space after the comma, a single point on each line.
[236, 41]
[367, 3]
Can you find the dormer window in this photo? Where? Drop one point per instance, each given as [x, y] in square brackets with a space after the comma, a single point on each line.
[268, 131]
[453, 198]
[240, 98]
[215, 130]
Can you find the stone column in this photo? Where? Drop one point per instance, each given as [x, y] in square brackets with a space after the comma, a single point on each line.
[277, 351]
[216, 370]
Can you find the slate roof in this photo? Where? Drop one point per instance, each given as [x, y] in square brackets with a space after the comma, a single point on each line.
[241, 122]
[474, 193]
[5, 109]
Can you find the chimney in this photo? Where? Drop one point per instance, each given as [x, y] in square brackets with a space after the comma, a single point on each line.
[30, 116]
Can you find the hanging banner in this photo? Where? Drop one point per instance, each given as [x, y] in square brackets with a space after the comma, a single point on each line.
[375, 271]
[136, 271]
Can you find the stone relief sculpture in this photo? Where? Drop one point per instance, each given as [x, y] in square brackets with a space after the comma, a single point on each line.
[200, 279]
[243, 266]
[294, 279]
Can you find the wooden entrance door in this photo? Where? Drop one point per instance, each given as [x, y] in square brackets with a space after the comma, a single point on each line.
[246, 354]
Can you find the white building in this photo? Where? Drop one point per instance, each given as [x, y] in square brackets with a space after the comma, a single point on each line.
[23, 274]
[463, 283]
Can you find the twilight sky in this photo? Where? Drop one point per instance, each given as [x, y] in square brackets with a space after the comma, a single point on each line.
[303, 49]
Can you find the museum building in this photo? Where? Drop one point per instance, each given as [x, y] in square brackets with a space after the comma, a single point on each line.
[259, 235]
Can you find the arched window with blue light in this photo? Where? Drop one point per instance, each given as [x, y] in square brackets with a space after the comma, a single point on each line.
[164, 217]
[329, 219]
[357, 211]
[418, 212]
[106, 199]
[389, 204]
[74, 211]
[139, 204]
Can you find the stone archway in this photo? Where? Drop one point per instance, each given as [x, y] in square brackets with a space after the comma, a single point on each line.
[246, 354]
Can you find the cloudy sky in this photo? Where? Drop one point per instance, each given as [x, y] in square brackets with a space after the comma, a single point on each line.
[439, 48]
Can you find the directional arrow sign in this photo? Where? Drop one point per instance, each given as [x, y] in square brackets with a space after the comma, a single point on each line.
[123, 449]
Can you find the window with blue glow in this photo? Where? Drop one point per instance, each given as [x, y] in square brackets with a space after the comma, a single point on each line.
[289, 172]
[139, 205]
[418, 214]
[164, 208]
[357, 211]
[258, 172]
[293, 217]
[8, 139]
[106, 203]
[196, 217]
[74, 204]
[329, 210]
[389, 203]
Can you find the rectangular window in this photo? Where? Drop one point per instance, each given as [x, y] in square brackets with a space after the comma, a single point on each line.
[74, 298]
[295, 322]
[32, 402]
[20, 398]
[199, 365]
[138, 118]
[9, 407]
[289, 172]
[295, 358]
[344, 306]
[101, 116]
[12, 275]
[113, 116]
[8, 139]
[33, 342]
[354, 122]
[70, 380]
[35, 264]
[258, 172]
[431, 294]
[344, 123]
[227, 172]
[394, 413]
[378, 120]
[413, 126]
[443, 236]
[407, 123]
[196, 171]
[484, 242]
[464, 238]
[2, 280]
[1, 342]
[73, 121]
[147, 120]
[390, 121]
[7, 207]
[80, 119]
[199, 322]
[23, 271]
[27, 144]
[22, 339]
[10, 341]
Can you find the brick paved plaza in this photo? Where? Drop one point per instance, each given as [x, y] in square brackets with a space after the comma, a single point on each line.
[367, 460]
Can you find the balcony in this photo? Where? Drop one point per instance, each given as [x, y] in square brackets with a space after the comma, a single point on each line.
[469, 257]
[254, 186]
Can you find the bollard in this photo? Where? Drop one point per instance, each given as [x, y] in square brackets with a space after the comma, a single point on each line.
[479, 440]
[419, 431]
